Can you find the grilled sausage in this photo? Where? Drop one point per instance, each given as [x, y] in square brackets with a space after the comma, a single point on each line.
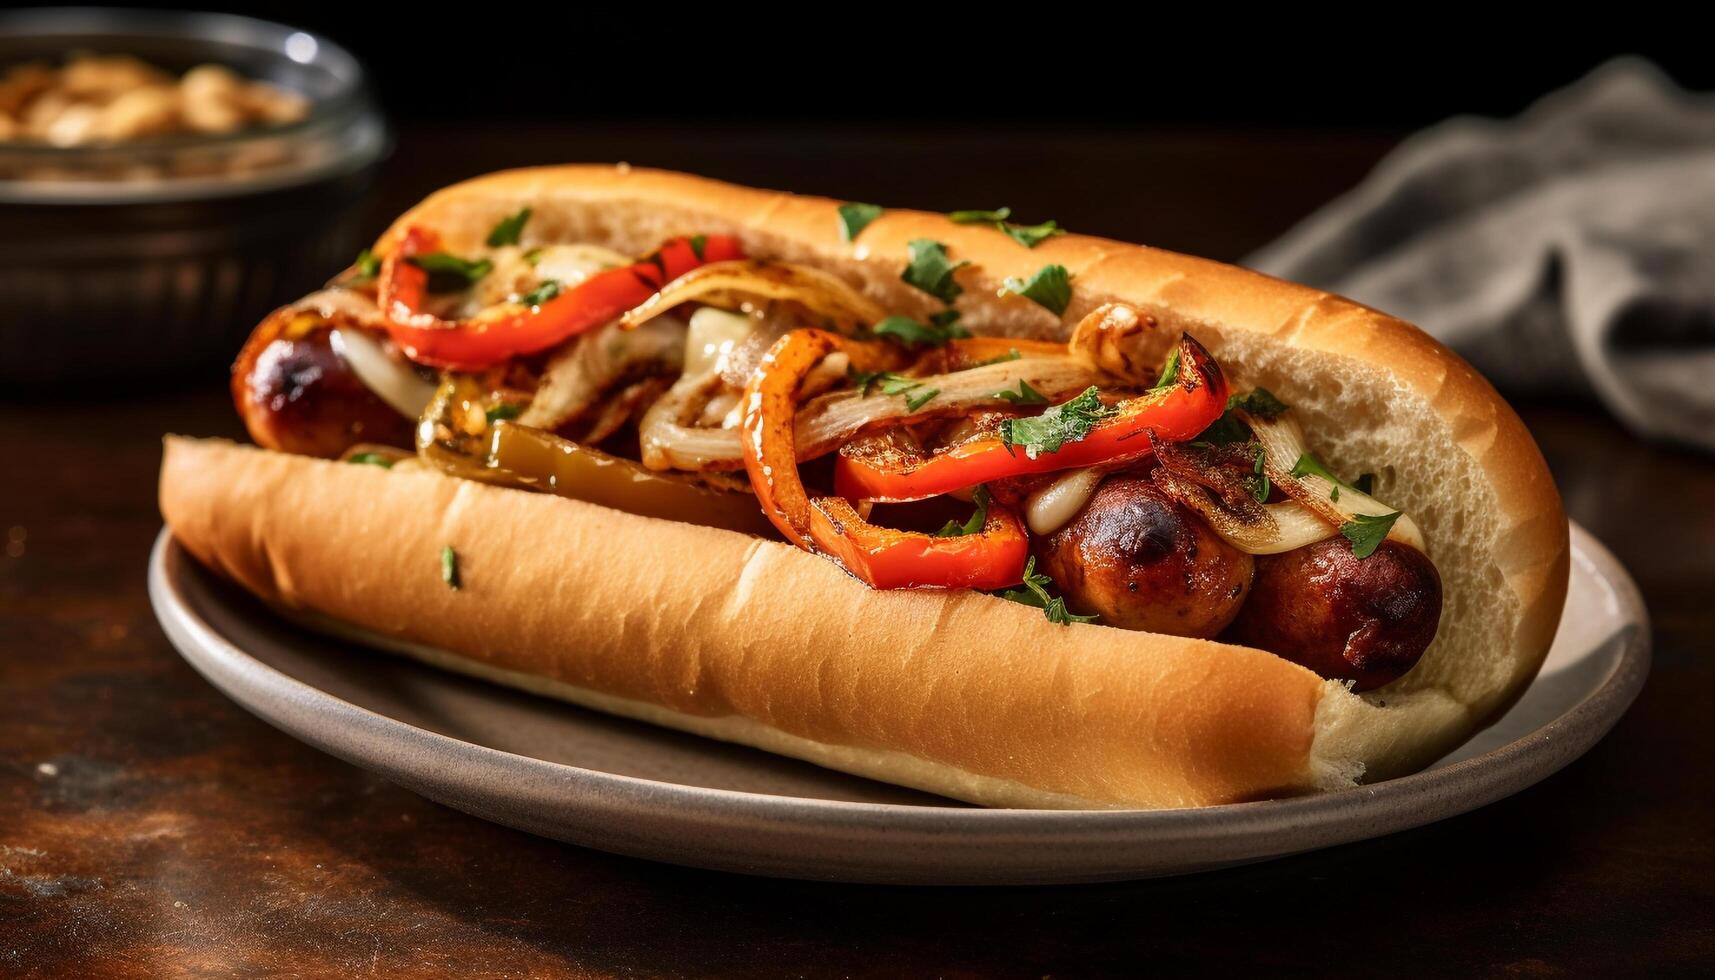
[298, 395]
[1366, 620]
[1140, 561]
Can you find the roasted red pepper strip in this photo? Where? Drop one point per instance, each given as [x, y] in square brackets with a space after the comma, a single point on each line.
[889, 559]
[507, 331]
[1174, 414]
[770, 405]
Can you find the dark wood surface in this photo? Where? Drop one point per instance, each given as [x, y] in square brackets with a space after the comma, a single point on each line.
[150, 827]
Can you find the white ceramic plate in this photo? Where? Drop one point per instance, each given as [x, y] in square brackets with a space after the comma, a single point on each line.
[563, 772]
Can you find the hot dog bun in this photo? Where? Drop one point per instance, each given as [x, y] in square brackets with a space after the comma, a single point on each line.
[960, 694]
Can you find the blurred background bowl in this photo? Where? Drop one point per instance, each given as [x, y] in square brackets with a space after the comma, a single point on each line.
[138, 262]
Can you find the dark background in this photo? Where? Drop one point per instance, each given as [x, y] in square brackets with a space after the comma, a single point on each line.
[950, 65]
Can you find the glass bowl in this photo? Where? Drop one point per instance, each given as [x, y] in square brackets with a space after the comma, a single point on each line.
[154, 258]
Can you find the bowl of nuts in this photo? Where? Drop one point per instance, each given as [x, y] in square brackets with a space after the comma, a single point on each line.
[165, 180]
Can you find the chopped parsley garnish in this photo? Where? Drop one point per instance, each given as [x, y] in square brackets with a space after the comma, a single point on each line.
[980, 217]
[533, 255]
[931, 271]
[854, 218]
[1367, 532]
[1025, 395]
[1228, 429]
[893, 384]
[1031, 236]
[1259, 402]
[548, 289]
[450, 274]
[897, 384]
[1011, 355]
[1309, 465]
[1050, 288]
[364, 270]
[698, 243]
[372, 459]
[864, 381]
[503, 411]
[1259, 479]
[953, 529]
[1169, 372]
[450, 567]
[1066, 422]
[1035, 593]
[1027, 235]
[942, 327]
[509, 229]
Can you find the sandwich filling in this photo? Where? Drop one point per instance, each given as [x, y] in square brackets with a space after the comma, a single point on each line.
[1094, 479]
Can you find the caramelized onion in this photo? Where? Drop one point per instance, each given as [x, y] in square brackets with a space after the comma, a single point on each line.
[729, 284]
[1211, 481]
[828, 421]
[391, 377]
[1283, 445]
[591, 366]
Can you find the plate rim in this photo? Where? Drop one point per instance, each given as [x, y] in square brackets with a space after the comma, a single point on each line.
[1439, 793]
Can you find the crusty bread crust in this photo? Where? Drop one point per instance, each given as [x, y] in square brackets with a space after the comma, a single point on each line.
[712, 626]
[707, 624]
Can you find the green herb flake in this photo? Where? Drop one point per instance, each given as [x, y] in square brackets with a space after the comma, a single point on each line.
[854, 218]
[509, 229]
[865, 381]
[1259, 478]
[364, 270]
[1067, 422]
[1367, 532]
[1035, 593]
[932, 272]
[1050, 288]
[918, 400]
[450, 274]
[450, 567]
[994, 217]
[1169, 372]
[547, 290]
[372, 459]
[503, 412]
[1259, 402]
[935, 333]
[953, 529]
[698, 243]
[897, 384]
[1011, 355]
[1031, 236]
[1230, 429]
[1025, 395]
[532, 256]
[1309, 465]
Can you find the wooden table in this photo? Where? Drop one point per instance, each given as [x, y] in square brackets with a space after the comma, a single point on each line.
[149, 827]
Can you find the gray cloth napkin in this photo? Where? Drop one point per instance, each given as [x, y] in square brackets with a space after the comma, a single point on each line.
[1570, 249]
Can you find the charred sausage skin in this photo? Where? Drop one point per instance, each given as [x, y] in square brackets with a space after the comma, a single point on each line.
[1141, 561]
[1366, 620]
[297, 394]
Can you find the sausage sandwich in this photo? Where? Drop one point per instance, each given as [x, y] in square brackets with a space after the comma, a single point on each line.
[1012, 515]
